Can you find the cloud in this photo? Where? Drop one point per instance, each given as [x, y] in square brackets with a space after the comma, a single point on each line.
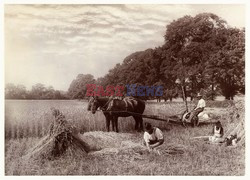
[53, 43]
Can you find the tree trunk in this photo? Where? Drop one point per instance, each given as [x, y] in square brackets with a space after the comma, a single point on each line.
[227, 97]
[212, 98]
[184, 96]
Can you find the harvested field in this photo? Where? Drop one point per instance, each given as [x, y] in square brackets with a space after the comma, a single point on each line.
[123, 153]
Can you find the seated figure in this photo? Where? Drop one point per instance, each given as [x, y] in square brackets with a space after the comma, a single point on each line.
[218, 133]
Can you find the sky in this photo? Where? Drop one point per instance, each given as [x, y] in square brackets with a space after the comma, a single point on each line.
[52, 44]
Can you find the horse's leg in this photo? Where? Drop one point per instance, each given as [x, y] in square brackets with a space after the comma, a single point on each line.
[140, 123]
[136, 122]
[107, 122]
[115, 121]
[112, 123]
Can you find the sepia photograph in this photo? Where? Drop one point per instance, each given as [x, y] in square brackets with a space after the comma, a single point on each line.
[124, 89]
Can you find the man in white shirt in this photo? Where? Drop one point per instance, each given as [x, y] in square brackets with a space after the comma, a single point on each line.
[198, 109]
[153, 137]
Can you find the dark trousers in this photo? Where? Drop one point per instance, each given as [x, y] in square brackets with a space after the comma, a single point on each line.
[195, 113]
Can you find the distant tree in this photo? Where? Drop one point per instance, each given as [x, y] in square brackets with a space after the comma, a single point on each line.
[170, 93]
[49, 93]
[15, 92]
[10, 91]
[21, 91]
[77, 89]
[38, 91]
[60, 95]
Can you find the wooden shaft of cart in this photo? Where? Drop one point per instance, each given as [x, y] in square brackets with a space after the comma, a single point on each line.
[165, 119]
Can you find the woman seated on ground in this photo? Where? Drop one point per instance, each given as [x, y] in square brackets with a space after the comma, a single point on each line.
[217, 133]
[153, 137]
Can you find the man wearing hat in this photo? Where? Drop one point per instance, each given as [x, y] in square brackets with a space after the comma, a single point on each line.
[198, 109]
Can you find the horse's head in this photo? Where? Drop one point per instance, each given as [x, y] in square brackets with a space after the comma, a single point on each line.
[94, 105]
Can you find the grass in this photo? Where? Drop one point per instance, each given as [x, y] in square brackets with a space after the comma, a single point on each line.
[27, 121]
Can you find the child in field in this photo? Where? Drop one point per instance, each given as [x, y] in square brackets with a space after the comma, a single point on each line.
[217, 133]
[153, 137]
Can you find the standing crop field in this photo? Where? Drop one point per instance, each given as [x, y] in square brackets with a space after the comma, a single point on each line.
[25, 118]
[32, 118]
[26, 122]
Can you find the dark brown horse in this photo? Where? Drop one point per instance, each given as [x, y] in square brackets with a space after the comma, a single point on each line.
[115, 108]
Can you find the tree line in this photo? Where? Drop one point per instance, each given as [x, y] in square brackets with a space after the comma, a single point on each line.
[200, 54]
[38, 91]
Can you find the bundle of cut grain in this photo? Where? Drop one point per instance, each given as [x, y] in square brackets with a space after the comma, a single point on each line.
[62, 137]
[236, 126]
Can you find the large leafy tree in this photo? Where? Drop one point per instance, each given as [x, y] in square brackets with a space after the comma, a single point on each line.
[227, 65]
[200, 52]
[189, 41]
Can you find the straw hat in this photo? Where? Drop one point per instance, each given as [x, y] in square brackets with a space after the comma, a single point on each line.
[199, 95]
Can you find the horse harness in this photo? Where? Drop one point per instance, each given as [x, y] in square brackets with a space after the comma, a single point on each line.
[106, 104]
[126, 101]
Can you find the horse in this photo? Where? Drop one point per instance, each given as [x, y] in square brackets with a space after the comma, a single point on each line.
[114, 108]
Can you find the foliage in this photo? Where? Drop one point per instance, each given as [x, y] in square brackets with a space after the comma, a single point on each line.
[38, 91]
[77, 89]
[201, 52]
[227, 64]
[15, 92]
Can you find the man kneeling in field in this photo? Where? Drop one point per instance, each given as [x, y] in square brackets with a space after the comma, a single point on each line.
[153, 137]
